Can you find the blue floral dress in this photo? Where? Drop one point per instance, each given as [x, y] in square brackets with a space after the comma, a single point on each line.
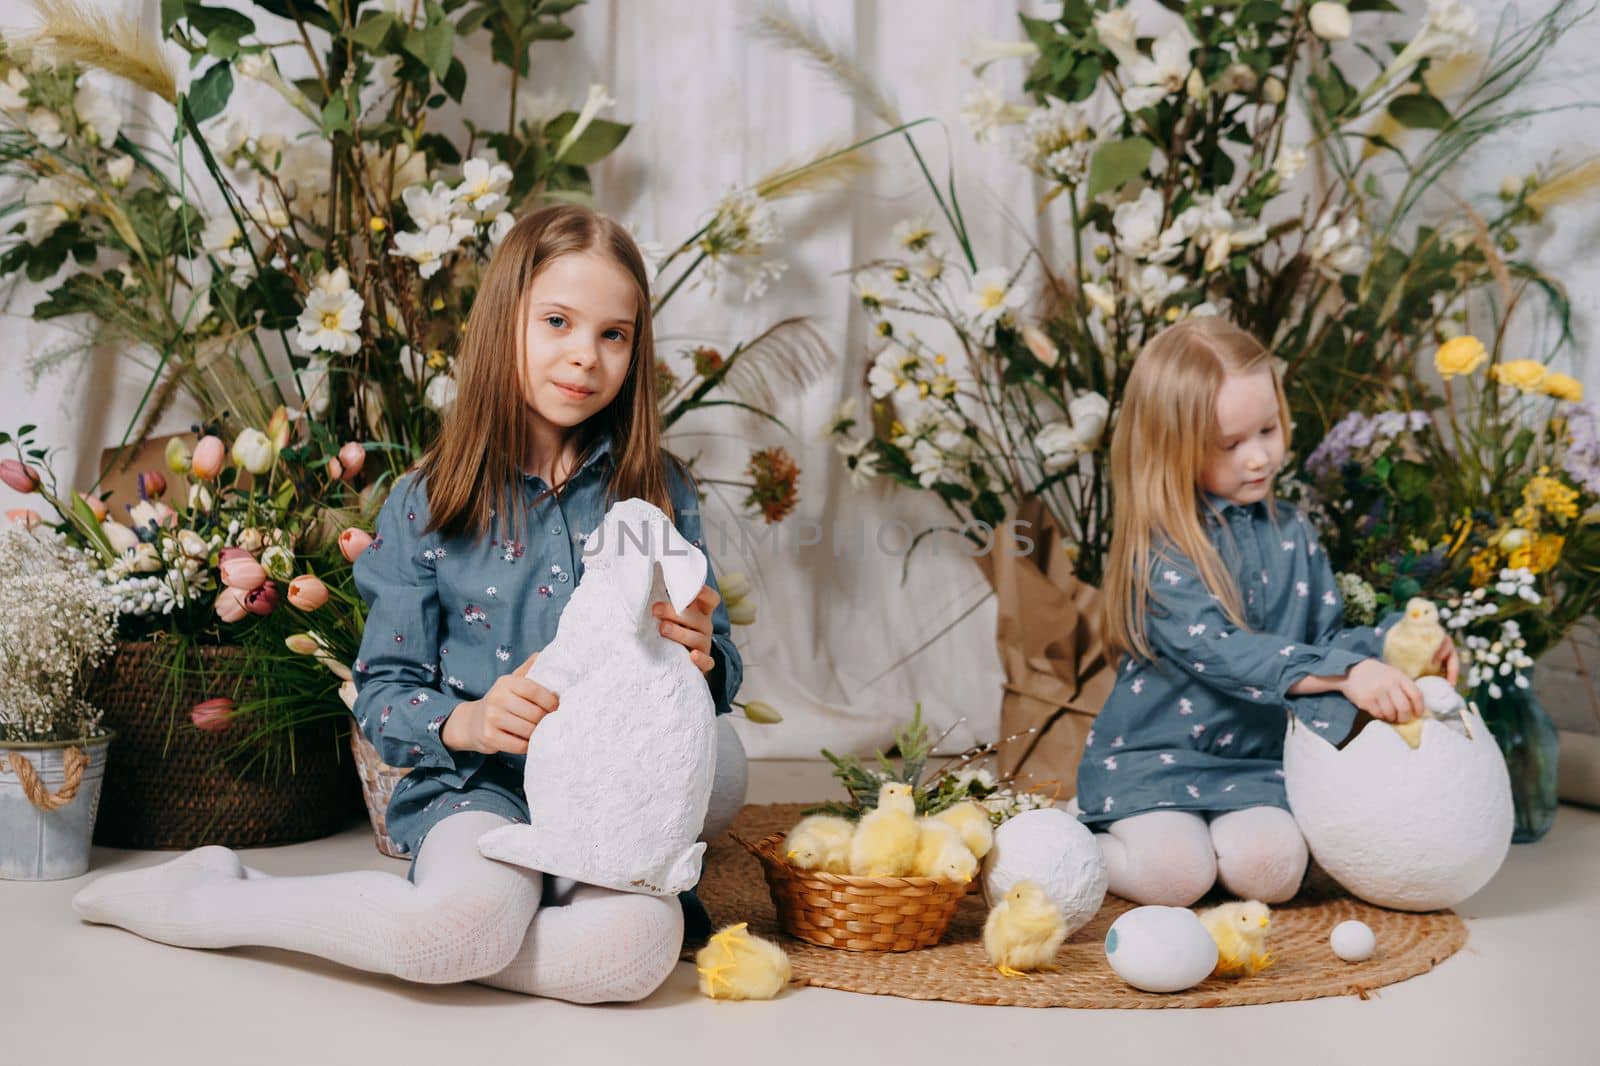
[447, 615]
[1201, 727]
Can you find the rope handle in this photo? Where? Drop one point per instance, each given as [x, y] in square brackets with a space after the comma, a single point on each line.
[75, 761]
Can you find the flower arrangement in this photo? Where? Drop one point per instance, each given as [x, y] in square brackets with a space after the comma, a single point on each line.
[1164, 145]
[57, 621]
[1488, 504]
[955, 782]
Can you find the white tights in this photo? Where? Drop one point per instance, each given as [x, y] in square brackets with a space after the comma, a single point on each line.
[466, 918]
[1172, 858]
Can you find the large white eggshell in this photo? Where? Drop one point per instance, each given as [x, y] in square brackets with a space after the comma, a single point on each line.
[729, 783]
[1161, 949]
[1056, 850]
[1409, 829]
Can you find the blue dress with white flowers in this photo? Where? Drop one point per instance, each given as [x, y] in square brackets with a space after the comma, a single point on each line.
[1201, 727]
[447, 615]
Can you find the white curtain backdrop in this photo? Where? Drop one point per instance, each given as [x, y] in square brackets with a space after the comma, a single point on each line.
[713, 108]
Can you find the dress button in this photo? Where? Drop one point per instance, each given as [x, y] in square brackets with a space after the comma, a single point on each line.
[555, 531]
[561, 577]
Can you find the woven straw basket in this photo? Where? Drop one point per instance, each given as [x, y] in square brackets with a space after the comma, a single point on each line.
[378, 779]
[857, 913]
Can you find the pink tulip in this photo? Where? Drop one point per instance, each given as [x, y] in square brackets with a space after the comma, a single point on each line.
[230, 605]
[352, 457]
[308, 592]
[152, 483]
[353, 541]
[96, 506]
[19, 475]
[26, 517]
[209, 455]
[261, 601]
[245, 574]
[213, 715]
[232, 553]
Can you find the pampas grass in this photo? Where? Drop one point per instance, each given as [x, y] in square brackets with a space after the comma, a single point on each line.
[831, 166]
[71, 31]
[777, 24]
[1565, 185]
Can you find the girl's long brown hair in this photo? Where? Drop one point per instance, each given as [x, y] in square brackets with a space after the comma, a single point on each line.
[1165, 430]
[474, 470]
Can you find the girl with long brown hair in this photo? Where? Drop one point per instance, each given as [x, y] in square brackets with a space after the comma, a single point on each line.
[1225, 616]
[475, 555]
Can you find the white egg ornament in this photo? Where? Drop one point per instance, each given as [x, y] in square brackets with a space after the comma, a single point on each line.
[1161, 949]
[1408, 829]
[729, 782]
[1056, 850]
[1353, 941]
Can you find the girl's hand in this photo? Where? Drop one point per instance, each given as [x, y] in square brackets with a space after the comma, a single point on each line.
[504, 718]
[1382, 691]
[692, 628]
[1446, 661]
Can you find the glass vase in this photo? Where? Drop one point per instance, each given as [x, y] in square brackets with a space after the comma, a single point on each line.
[1530, 743]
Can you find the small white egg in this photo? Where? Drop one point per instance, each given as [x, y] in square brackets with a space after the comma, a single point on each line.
[1161, 949]
[1353, 941]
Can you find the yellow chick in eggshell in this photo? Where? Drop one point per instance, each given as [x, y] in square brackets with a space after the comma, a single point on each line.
[1024, 931]
[1411, 647]
[885, 844]
[737, 965]
[820, 842]
[972, 822]
[1240, 930]
[941, 853]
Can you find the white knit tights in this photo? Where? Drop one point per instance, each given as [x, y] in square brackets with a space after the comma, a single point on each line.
[1172, 858]
[466, 918]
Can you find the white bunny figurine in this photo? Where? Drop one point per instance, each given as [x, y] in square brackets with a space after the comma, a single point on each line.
[618, 778]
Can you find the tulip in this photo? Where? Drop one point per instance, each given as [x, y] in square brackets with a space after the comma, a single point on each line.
[230, 605]
[278, 429]
[278, 562]
[208, 458]
[352, 542]
[734, 586]
[19, 476]
[347, 467]
[213, 715]
[232, 553]
[765, 713]
[26, 517]
[246, 574]
[347, 692]
[199, 497]
[96, 505]
[253, 450]
[1043, 348]
[120, 537]
[301, 643]
[261, 601]
[152, 483]
[308, 592]
[1273, 91]
[742, 613]
[179, 457]
[193, 545]
[1330, 21]
[251, 540]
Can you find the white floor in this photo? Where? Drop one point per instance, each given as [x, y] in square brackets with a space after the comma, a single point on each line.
[1523, 991]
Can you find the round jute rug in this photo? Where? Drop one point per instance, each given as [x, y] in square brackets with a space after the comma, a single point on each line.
[956, 970]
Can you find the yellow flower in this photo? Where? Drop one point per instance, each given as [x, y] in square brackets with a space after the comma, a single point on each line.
[1524, 374]
[1546, 494]
[1485, 565]
[1561, 387]
[1459, 356]
[1539, 554]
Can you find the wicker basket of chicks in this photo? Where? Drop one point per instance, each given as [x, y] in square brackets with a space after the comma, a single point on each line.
[886, 871]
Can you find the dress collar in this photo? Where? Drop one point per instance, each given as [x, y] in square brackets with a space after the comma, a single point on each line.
[1215, 507]
[601, 452]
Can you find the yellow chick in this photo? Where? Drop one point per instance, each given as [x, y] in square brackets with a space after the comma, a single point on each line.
[736, 965]
[941, 853]
[1240, 930]
[972, 822]
[1410, 647]
[885, 844]
[820, 842]
[1024, 931]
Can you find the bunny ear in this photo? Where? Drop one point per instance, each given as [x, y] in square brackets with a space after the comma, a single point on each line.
[638, 537]
[683, 566]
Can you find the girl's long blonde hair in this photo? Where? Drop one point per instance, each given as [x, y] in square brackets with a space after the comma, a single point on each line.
[474, 469]
[1165, 431]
